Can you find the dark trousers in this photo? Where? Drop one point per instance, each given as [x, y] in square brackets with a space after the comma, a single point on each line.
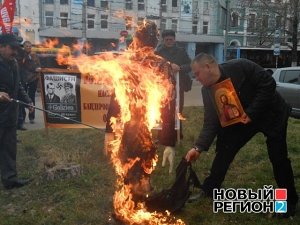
[21, 115]
[8, 152]
[231, 139]
[167, 135]
[31, 90]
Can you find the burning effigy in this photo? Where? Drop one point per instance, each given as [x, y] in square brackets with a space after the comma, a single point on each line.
[143, 85]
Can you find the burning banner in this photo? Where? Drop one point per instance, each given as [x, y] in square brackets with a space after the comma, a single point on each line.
[144, 88]
[7, 12]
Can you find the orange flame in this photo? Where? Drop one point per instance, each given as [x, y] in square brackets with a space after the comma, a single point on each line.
[50, 43]
[141, 89]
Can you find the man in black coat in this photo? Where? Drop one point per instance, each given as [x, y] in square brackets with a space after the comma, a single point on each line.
[9, 88]
[29, 71]
[180, 62]
[265, 112]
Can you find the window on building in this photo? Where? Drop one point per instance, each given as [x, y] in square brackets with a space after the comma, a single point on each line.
[49, 18]
[164, 5]
[206, 8]
[265, 21]
[90, 21]
[64, 2]
[128, 5]
[104, 21]
[195, 9]
[141, 5]
[91, 3]
[104, 4]
[278, 21]
[174, 3]
[251, 24]
[163, 24]
[64, 19]
[194, 27]
[205, 27]
[49, 1]
[128, 23]
[174, 25]
[234, 19]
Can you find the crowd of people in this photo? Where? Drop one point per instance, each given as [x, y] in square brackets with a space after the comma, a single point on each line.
[264, 110]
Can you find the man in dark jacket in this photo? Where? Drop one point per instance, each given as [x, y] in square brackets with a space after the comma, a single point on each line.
[265, 111]
[180, 62]
[9, 88]
[29, 72]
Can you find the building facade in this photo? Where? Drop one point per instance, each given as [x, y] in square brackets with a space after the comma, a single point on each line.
[26, 21]
[256, 24]
[199, 24]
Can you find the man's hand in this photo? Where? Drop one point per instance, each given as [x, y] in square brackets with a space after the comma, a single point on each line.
[192, 155]
[175, 67]
[31, 108]
[245, 119]
[4, 97]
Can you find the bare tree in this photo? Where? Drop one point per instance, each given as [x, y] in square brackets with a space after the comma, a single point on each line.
[284, 15]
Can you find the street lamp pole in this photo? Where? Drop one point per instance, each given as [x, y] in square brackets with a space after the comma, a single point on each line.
[84, 38]
[226, 29]
[160, 18]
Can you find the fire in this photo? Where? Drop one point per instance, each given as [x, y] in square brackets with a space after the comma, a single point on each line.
[141, 88]
[50, 43]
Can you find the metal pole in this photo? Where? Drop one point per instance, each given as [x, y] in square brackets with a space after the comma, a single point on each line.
[84, 38]
[52, 113]
[160, 18]
[226, 29]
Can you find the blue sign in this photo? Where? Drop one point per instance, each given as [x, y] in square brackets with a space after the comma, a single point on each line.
[276, 51]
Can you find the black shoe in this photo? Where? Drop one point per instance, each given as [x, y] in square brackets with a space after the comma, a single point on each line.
[22, 128]
[291, 211]
[16, 183]
[31, 121]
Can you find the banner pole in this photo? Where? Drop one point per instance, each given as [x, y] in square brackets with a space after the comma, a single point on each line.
[177, 121]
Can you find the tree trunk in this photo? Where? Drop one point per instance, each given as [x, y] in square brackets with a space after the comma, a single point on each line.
[295, 32]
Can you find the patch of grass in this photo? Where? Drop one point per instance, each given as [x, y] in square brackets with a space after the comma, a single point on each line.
[87, 199]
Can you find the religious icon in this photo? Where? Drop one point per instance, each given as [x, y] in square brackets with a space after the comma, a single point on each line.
[227, 103]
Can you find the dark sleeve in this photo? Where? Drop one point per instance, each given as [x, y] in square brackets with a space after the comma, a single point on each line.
[185, 66]
[264, 89]
[22, 95]
[210, 124]
[30, 65]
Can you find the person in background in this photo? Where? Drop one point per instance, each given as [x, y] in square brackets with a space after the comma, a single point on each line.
[180, 62]
[265, 112]
[30, 69]
[10, 88]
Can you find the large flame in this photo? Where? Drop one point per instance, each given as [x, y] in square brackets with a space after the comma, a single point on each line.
[141, 88]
